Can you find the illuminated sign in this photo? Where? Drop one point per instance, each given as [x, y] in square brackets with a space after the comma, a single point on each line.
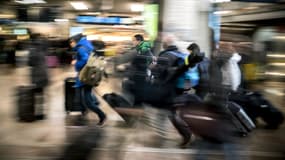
[101, 20]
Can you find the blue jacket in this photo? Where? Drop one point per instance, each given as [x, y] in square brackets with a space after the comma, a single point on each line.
[83, 49]
[191, 74]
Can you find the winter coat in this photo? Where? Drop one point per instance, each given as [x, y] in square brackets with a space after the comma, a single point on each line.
[231, 73]
[203, 69]
[83, 49]
[191, 75]
[173, 60]
[36, 59]
[144, 48]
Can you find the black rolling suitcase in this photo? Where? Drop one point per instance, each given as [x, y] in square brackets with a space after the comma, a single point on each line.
[240, 118]
[72, 103]
[26, 104]
[255, 105]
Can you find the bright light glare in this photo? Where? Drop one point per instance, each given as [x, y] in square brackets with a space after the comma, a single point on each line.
[61, 20]
[79, 5]
[277, 64]
[275, 73]
[29, 1]
[276, 55]
[137, 7]
[279, 37]
[222, 12]
[219, 1]
[92, 37]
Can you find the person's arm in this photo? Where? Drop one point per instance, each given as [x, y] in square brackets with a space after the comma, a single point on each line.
[82, 59]
[190, 61]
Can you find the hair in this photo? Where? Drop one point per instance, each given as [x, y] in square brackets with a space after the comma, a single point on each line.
[193, 46]
[169, 40]
[139, 37]
[76, 37]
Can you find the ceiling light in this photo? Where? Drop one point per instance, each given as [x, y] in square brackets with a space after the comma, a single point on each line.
[222, 12]
[79, 5]
[137, 7]
[219, 1]
[275, 73]
[277, 64]
[29, 1]
[61, 20]
[279, 37]
[276, 55]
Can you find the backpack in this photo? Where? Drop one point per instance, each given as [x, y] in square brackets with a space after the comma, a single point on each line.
[188, 79]
[203, 70]
[93, 71]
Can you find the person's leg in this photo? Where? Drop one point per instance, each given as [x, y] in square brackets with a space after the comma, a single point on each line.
[182, 128]
[91, 103]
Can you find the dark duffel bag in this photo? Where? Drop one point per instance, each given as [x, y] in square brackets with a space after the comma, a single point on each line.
[72, 103]
[26, 103]
[115, 100]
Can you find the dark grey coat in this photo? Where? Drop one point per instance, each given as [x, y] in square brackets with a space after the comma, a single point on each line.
[39, 71]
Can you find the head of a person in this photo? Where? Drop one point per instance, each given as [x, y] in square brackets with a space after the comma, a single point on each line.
[74, 40]
[193, 48]
[168, 40]
[137, 39]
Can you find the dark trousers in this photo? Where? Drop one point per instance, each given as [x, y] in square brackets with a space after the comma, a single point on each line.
[181, 126]
[89, 100]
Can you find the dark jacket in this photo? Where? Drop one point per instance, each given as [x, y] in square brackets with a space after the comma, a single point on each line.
[203, 68]
[173, 60]
[36, 59]
[167, 76]
[83, 49]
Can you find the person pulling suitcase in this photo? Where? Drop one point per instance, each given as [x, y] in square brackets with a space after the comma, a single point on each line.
[84, 48]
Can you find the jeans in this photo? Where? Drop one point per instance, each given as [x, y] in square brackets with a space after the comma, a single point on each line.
[89, 100]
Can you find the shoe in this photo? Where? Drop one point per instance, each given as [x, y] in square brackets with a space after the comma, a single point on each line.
[187, 141]
[102, 122]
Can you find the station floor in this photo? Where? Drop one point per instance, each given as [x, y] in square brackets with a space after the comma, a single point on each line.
[72, 137]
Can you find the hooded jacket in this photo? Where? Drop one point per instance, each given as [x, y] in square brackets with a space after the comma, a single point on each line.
[83, 49]
[231, 72]
[144, 48]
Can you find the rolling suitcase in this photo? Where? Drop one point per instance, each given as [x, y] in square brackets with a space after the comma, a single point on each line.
[208, 121]
[26, 104]
[72, 103]
[240, 118]
[255, 105]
